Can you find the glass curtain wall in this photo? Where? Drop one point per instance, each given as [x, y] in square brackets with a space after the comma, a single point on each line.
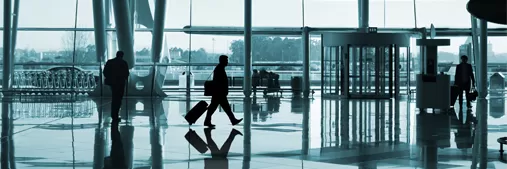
[56, 48]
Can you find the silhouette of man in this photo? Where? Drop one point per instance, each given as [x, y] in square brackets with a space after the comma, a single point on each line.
[116, 73]
[220, 92]
[463, 78]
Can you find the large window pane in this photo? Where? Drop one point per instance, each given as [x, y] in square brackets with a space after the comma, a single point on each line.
[175, 45]
[276, 49]
[450, 54]
[392, 13]
[55, 47]
[497, 53]
[142, 47]
[328, 13]
[217, 13]
[177, 13]
[2, 14]
[207, 48]
[47, 13]
[84, 14]
[450, 13]
[282, 13]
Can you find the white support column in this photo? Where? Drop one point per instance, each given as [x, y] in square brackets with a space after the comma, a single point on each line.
[124, 31]
[247, 82]
[158, 30]
[99, 23]
[483, 61]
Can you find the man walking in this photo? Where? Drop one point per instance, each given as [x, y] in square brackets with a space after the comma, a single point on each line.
[220, 92]
[116, 73]
[463, 78]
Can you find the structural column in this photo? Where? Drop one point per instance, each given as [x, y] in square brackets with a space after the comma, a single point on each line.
[158, 30]
[364, 14]
[483, 60]
[306, 61]
[475, 44]
[100, 29]
[124, 30]
[247, 82]
[6, 81]
[247, 131]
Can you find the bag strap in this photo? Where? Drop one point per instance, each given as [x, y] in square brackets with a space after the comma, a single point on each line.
[211, 74]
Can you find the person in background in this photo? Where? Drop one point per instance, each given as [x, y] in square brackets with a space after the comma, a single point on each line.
[116, 73]
[219, 96]
[464, 78]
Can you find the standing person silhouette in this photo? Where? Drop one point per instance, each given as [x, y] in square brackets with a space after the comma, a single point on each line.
[220, 92]
[463, 78]
[116, 72]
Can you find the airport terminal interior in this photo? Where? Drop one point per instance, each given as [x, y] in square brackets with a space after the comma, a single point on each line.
[319, 84]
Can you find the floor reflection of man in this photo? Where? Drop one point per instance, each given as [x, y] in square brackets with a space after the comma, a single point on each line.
[116, 159]
[464, 137]
[218, 158]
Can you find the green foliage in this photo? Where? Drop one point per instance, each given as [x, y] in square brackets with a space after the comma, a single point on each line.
[274, 49]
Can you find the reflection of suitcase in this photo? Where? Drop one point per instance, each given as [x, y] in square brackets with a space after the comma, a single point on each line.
[454, 94]
[196, 141]
[196, 112]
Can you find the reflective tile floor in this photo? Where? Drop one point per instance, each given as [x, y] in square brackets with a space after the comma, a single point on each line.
[277, 133]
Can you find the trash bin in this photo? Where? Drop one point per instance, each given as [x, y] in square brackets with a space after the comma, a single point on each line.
[183, 80]
[497, 84]
[295, 84]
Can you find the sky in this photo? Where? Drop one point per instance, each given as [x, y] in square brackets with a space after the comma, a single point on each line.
[275, 13]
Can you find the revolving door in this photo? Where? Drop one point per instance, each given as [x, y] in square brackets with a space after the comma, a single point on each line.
[364, 65]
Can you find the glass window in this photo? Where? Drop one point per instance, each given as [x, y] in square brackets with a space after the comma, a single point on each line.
[55, 47]
[270, 13]
[207, 48]
[450, 54]
[2, 14]
[142, 47]
[176, 45]
[177, 13]
[85, 14]
[36, 13]
[442, 14]
[392, 13]
[277, 49]
[497, 53]
[327, 13]
[217, 13]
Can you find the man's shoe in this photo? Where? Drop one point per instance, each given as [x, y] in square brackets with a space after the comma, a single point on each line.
[209, 125]
[237, 121]
[236, 132]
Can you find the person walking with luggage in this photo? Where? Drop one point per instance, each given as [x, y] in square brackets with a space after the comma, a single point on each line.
[220, 92]
[116, 73]
[463, 78]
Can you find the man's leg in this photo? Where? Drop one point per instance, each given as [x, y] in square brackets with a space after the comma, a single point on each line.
[211, 109]
[114, 103]
[117, 97]
[224, 103]
[460, 96]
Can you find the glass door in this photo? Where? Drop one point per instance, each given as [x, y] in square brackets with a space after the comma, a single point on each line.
[372, 72]
[331, 71]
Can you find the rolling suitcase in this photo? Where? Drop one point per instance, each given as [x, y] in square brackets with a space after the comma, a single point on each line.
[454, 94]
[196, 141]
[196, 112]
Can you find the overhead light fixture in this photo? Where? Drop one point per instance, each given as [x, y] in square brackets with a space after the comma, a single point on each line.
[494, 11]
